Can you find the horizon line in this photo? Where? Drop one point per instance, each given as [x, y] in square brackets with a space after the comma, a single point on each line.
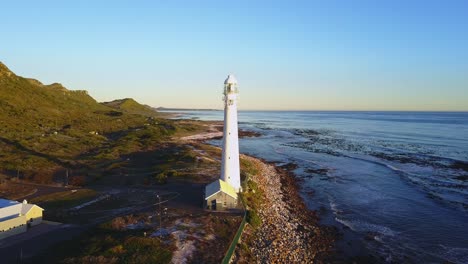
[314, 110]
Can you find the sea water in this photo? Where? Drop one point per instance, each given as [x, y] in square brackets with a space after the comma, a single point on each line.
[396, 181]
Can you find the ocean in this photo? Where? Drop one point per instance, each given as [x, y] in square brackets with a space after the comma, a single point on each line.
[394, 183]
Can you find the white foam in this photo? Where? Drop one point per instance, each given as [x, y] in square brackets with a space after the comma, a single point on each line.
[346, 223]
[362, 226]
[455, 254]
[334, 206]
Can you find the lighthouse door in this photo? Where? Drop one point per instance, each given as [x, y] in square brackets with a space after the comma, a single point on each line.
[213, 205]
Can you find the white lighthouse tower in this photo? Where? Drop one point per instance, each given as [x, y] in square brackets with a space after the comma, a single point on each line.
[230, 171]
[222, 193]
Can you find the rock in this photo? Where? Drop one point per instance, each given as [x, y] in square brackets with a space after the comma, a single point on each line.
[286, 235]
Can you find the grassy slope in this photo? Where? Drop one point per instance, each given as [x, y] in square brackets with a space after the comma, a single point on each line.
[45, 129]
[131, 106]
[130, 140]
[65, 199]
[27, 106]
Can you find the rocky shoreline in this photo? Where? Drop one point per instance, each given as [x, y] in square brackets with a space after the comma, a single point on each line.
[289, 233]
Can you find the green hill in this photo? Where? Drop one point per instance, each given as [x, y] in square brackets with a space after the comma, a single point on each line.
[28, 106]
[45, 129]
[131, 106]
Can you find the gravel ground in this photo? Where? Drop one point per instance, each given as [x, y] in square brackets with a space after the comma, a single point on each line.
[289, 232]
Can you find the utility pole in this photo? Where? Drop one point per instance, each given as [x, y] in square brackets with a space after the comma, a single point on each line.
[160, 214]
[165, 211]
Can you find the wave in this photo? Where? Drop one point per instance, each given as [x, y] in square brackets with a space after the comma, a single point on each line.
[363, 226]
[435, 184]
[432, 186]
[392, 245]
[454, 254]
[337, 143]
[334, 208]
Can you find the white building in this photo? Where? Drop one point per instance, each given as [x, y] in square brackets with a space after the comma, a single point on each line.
[16, 217]
[219, 195]
[222, 193]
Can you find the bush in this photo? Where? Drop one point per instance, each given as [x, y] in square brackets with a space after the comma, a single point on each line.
[172, 173]
[77, 180]
[161, 178]
[253, 219]
[145, 250]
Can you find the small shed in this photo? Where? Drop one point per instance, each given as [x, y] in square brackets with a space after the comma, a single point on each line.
[219, 195]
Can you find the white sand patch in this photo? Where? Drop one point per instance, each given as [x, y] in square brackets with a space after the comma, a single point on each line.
[135, 226]
[203, 136]
[179, 222]
[209, 237]
[185, 248]
[162, 232]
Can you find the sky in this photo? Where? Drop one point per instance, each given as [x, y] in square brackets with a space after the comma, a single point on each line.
[286, 55]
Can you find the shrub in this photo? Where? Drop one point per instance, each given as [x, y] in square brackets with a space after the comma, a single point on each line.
[253, 219]
[77, 180]
[161, 178]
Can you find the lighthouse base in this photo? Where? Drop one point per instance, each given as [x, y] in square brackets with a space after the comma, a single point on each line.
[221, 196]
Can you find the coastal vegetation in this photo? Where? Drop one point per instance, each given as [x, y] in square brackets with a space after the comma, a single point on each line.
[64, 199]
[106, 244]
[252, 195]
[96, 165]
[47, 131]
[105, 167]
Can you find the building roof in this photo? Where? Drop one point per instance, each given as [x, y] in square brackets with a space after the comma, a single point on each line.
[7, 203]
[27, 207]
[9, 209]
[220, 186]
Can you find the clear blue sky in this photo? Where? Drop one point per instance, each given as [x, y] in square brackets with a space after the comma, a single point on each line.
[331, 55]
